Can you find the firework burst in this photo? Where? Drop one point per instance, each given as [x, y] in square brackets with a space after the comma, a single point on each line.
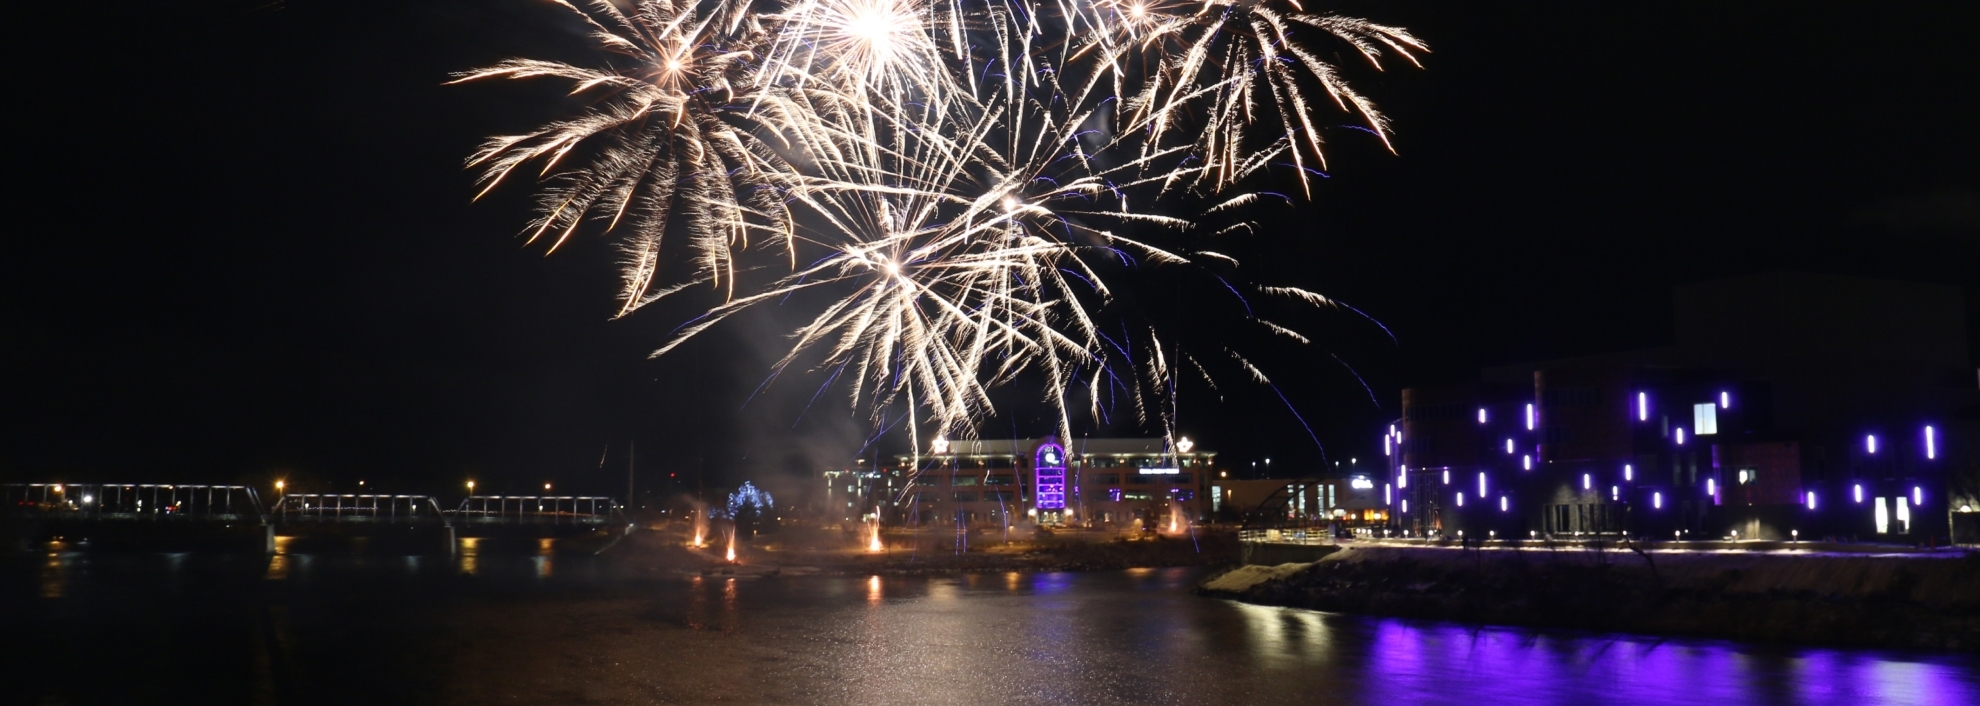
[950, 180]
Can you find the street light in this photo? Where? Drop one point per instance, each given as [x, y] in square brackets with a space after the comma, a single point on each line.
[546, 487]
[470, 487]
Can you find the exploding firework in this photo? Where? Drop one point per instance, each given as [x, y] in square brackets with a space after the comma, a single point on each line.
[952, 182]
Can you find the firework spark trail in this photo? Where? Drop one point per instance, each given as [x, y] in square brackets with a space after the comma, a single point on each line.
[957, 171]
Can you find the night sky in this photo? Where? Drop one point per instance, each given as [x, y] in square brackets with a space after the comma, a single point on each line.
[241, 243]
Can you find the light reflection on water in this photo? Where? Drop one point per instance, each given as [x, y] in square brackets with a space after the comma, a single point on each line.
[1140, 637]
[1129, 637]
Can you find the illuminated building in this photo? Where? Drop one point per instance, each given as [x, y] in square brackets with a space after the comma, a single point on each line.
[1098, 482]
[1788, 404]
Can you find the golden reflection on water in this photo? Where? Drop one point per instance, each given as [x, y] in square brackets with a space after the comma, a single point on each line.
[54, 572]
[470, 555]
[873, 594]
[544, 549]
[278, 564]
[1012, 580]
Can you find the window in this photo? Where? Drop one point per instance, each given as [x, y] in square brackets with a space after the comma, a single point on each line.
[997, 480]
[965, 497]
[1137, 478]
[997, 496]
[1179, 478]
[1137, 495]
[965, 480]
[1705, 418]
[1107, 478]
[1748, 475]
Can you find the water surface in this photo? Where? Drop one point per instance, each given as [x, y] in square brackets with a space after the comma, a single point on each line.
[523, 624]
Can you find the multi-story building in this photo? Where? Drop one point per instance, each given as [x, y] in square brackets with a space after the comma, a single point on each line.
[1097, 482]
[1791, 405]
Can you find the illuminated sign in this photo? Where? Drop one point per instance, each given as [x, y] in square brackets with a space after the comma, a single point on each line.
[940, 445]
[1361, 483]
[1159, 471]
[1183, 445]
[1051, 477]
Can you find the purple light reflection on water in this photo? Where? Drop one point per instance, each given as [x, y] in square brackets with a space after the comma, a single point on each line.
[1430, 663]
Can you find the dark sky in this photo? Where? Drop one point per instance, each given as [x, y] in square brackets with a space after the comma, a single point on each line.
[241, 244]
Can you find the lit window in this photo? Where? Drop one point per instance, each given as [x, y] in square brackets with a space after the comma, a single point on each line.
[1883, 517]
[1705, 419]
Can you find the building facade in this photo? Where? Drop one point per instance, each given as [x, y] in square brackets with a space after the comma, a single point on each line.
[1791, 406]
[1087, 482]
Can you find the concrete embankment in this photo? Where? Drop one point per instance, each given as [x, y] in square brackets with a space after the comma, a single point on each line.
[1913, 600]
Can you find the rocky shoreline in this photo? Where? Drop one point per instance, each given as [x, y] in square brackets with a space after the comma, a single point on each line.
[1927, 601]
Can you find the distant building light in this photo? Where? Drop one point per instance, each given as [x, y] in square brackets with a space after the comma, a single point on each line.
[1388, 494]
[1918, 496]
[1447, 476]
[1657, 501]
[1460, 499]
[1405, 505]
[1711, 487]
[1725, 400]
[1615, 493]
[1481, 484]
[1811, 500]
[1642, 406]
[1705, 419]
[1509, 446]
[1931, 444]
[1481, 415]
[1858, 492]
[1526, 462]
[1529, 416]
[1386, 441]
[1158, 471]
[1628, 473]
[1680, 436]
[1502, 503]
[1361, 483]
[1587, 481]
[1870, 443]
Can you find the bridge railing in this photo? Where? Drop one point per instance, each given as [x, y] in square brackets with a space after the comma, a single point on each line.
[538, 509]
[133, 501]
[303, 508]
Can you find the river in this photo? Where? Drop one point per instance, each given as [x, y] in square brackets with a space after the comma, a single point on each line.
[524, 624]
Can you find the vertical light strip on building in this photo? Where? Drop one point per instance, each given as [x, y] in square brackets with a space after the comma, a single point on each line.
[1481, 484]
[1811, 500]
[1481, 415]
[1628, 473]
[1931, 444]
[1870, 443]
[1642, 406]
[1859, 493]
[1529, 416]
[1725, 400]
[1502, 503]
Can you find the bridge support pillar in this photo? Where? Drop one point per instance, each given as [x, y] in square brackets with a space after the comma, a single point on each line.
[447, 536]
[267, 537]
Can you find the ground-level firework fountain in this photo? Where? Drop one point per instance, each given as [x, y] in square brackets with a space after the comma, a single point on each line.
[732, 545]
[873, 534]
[700, 527]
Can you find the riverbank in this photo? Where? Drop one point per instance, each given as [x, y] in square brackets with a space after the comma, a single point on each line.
[1913, 601]
[662, 552]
